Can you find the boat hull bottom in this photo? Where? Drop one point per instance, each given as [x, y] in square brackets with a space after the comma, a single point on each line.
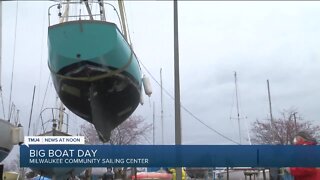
[105, 102]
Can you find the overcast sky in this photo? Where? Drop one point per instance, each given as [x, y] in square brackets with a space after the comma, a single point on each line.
[263, 40]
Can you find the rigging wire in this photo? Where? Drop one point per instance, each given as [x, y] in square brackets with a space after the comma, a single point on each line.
[237, 96]
[244, 118]
[14, 55]
[117, 13]
[3, 110]
[11, 113]
[44, 98]
[4, 116]
[184, 108]
[188, 111]
[146, 138]
[41, 56]
[17, 120]
[231, 110]
[30, 118]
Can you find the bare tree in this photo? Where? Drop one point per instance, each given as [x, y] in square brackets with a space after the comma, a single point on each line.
[282, 130]
[132, 131]
[90, 134]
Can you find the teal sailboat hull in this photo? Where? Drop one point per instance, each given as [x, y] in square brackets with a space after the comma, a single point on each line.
[95, 72]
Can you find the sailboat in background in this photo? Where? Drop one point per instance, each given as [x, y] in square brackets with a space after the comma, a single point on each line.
[94, 69]
[59, 124]
[11, 134]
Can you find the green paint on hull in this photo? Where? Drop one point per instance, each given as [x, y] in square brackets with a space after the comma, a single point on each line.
[98, 42]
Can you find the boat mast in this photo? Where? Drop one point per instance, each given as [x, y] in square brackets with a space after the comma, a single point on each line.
[34, 90]
[0, 45]
[270, 107]
[238, 114]
[162, 139]
[60, 122]
[4, 114]
[272, 125]
[65, 15]
[123, 19]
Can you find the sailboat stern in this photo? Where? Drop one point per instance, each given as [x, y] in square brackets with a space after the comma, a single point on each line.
[106, 102]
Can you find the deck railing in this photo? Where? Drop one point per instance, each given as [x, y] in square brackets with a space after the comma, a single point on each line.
[80, 10]
[55, 119]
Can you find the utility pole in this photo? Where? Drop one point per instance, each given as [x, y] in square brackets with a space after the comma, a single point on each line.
[177, 84]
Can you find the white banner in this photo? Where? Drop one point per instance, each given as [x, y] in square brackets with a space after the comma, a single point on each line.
[53, 140]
